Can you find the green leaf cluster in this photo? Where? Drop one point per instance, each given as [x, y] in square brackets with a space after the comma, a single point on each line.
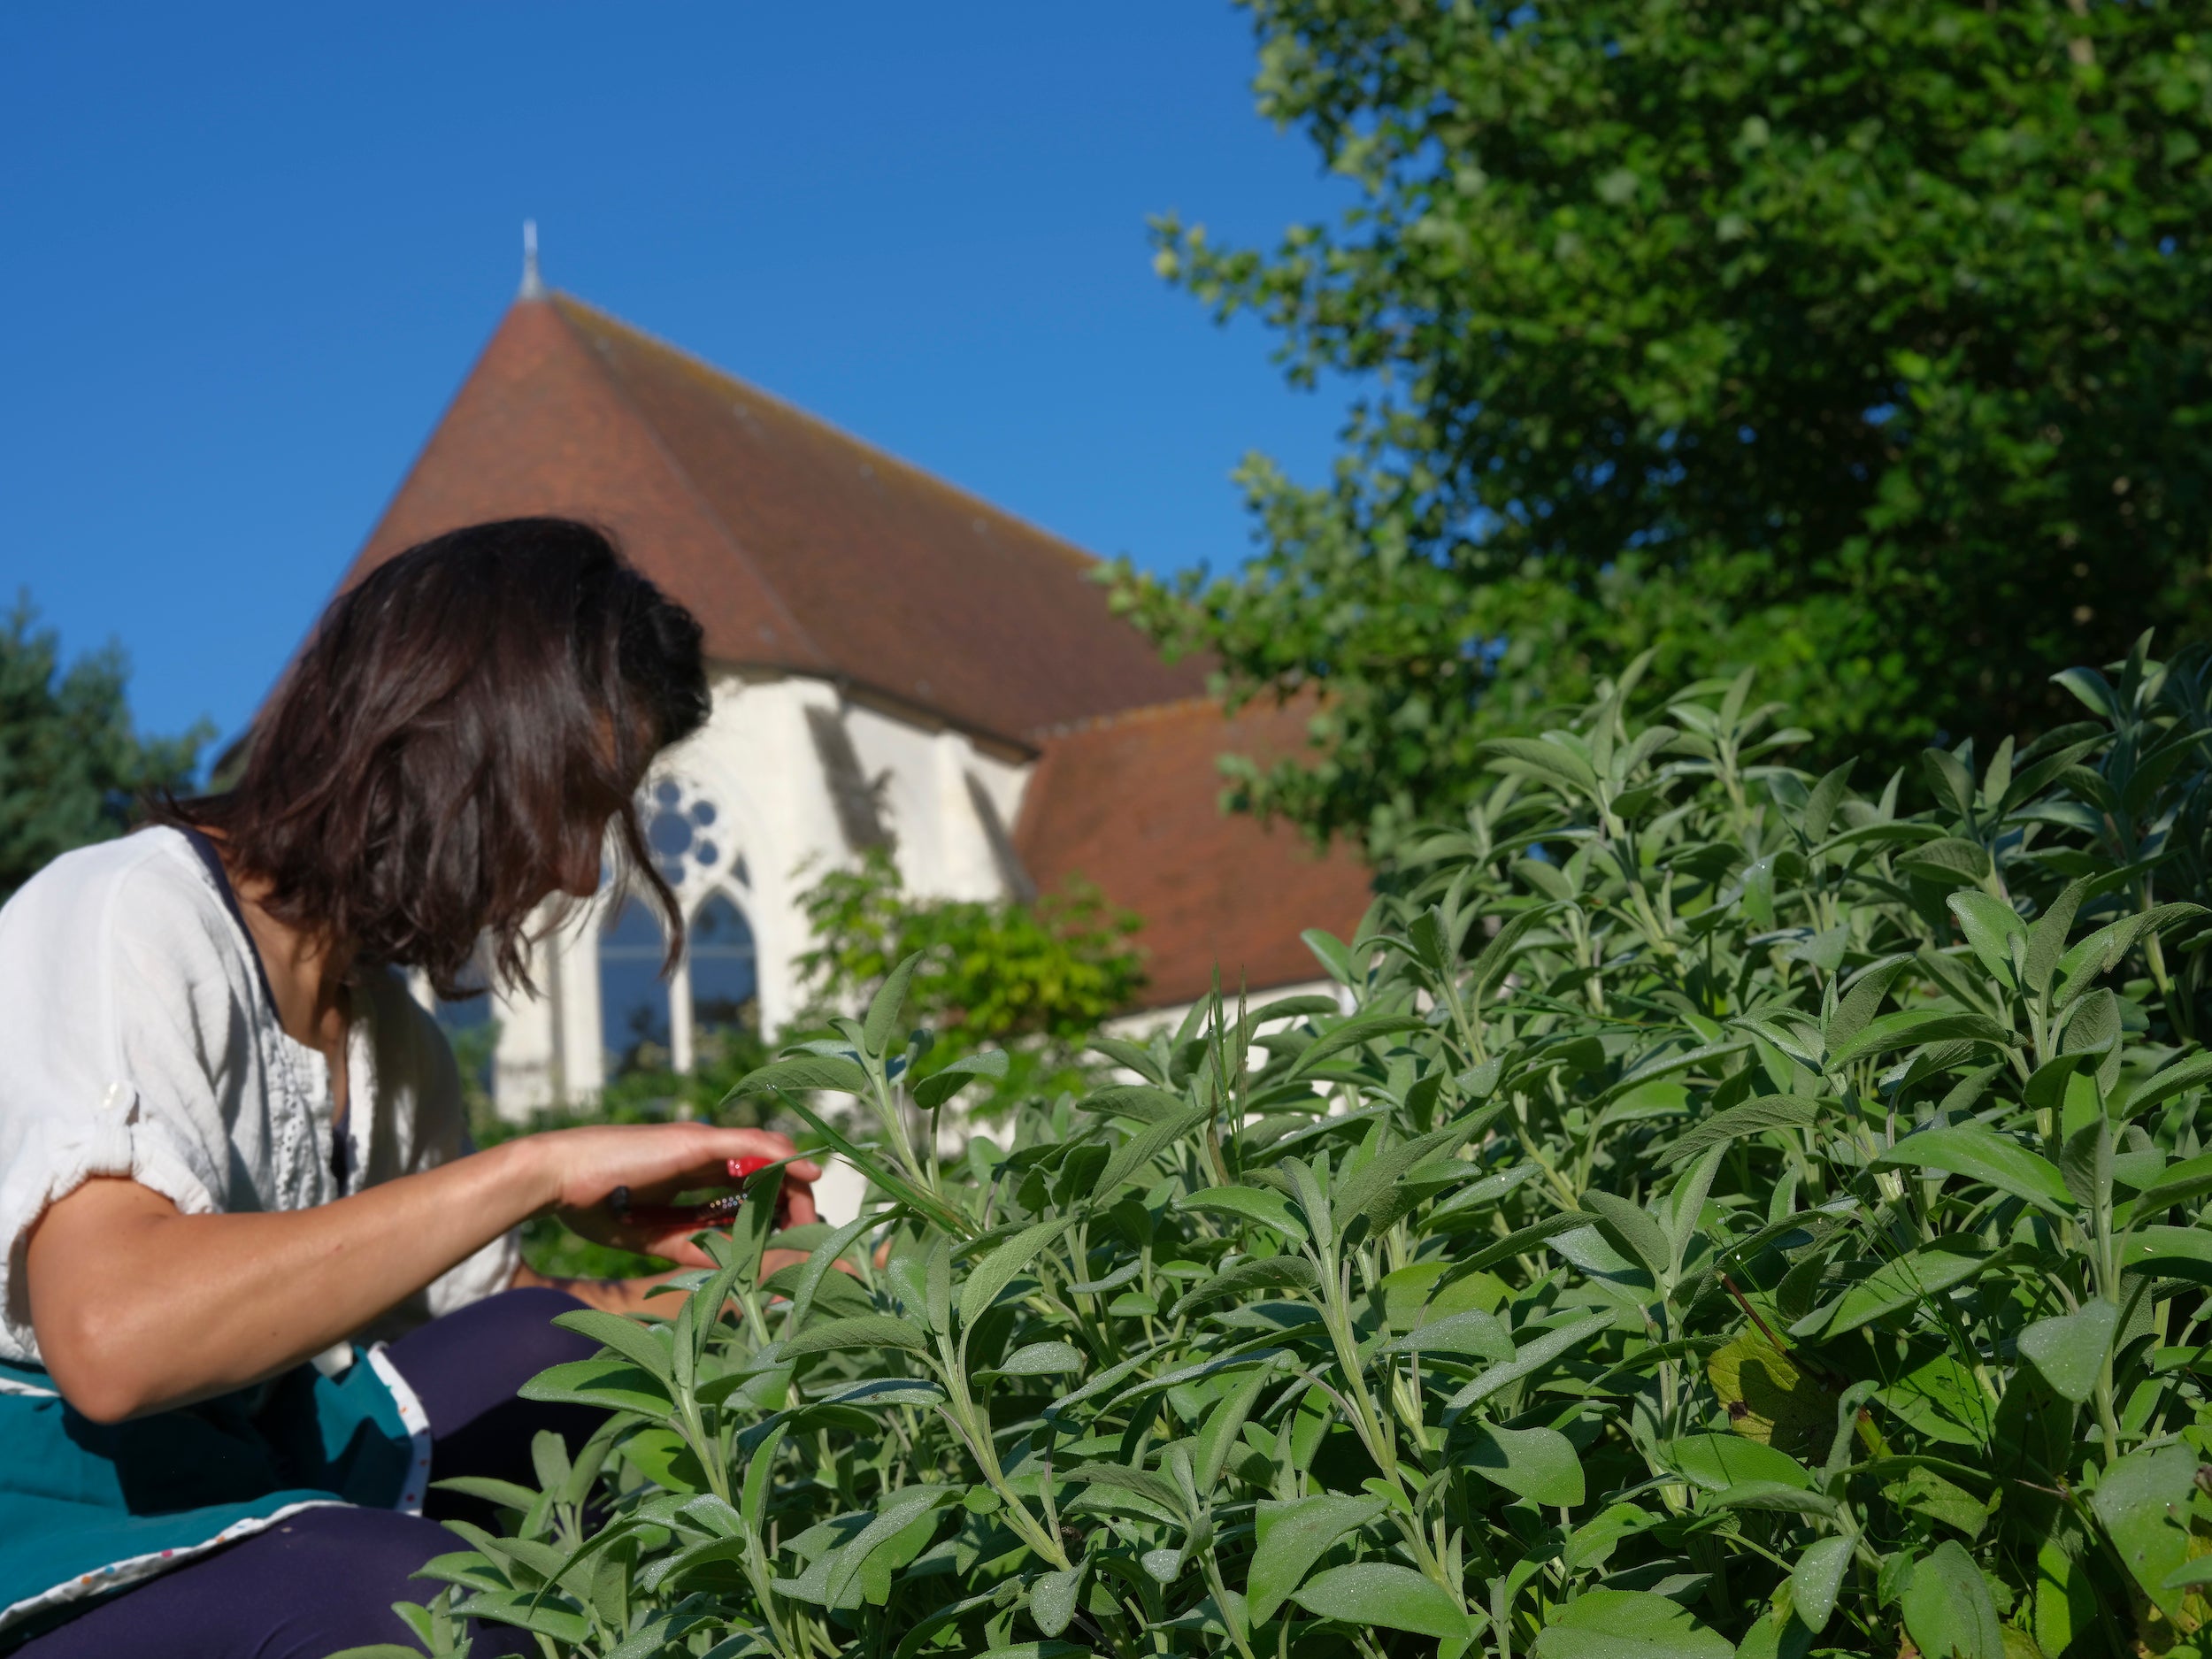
[1864, 344]
[1035, 977]
[73, 769]
[1721, 1209]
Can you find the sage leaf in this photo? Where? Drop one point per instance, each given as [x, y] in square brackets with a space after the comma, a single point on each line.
[2143, 1500]
[821, 1261]
[1910, 1280]
[2176, 1183]
[1246, 1203]
[1981, 1154]
[2070, 1349]
[1991, 928]
[634, 1341]
[1916, 1027]
[1634, 1227]
[935, 1090]
[1356, 1033]
[1038, 1359]
[2046, 937]
[1142, 1148]
[1291, 1537]
[997, 1270]
[1138, 1101]
[895, 1513]
[884, 1008]
[610, 1384]
[2174, 1252]
[1627, 1624]
[1717, 1462]
[1052, 1598]
[818, 1072]
[1752, 1116]
[879, 1330]
[2157, 1090]
[1948, 1608]
[1529, 1359]
[1373, 1593]
[1470, 1331]
[1816, 1580]
[1266, 1272]
[1538, 1464]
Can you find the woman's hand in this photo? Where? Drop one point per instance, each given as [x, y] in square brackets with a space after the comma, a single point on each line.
[655, 1161]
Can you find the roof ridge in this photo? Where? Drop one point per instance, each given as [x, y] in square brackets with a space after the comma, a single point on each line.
[1167, 709]
[800, 548]
[1060, 544]
[691, 485]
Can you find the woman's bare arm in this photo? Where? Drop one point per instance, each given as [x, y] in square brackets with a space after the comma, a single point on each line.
[138, 1307]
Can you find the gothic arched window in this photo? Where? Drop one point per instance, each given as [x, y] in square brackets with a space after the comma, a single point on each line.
[725, 975]
[633, 1022]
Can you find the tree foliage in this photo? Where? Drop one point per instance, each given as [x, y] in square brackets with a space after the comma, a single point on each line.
[71, 765]
[1731, 1211]
[1038, 978]
[1863, 343]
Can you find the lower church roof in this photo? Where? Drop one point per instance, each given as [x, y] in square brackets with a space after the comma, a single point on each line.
[1131, 802]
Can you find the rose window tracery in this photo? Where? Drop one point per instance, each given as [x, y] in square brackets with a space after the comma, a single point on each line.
[683, 830]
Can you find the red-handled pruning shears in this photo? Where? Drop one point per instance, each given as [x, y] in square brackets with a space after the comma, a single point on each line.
[714, 1213]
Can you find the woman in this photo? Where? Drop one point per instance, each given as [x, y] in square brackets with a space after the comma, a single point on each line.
[232, 1148]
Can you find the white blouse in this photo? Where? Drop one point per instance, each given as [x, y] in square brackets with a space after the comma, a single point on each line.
[137, 1038]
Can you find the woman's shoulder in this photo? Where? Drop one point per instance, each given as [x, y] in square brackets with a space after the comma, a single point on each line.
[148, 885]
[117, 959]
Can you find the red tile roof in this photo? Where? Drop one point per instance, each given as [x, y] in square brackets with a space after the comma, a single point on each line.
[798, 547]
[1131, 802]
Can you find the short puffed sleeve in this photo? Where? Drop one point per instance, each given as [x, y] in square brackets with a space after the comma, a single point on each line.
[124, 1043]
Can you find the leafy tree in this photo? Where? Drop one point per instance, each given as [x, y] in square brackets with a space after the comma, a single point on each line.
[71, 765]
[1037, 978]
[1862, 344]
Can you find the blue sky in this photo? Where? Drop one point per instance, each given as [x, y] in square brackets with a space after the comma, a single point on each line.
[253, 250]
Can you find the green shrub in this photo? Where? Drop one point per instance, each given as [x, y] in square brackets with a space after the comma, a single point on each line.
[1035, 976]
[1735, 1214]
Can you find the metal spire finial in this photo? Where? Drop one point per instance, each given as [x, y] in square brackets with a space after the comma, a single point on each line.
[533, 285]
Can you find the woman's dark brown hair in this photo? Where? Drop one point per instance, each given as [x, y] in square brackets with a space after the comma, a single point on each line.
[465, 734]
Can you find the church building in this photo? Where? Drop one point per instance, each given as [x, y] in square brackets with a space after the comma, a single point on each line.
[895, 664]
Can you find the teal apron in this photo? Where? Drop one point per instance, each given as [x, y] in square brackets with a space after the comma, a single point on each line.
[87, 1508]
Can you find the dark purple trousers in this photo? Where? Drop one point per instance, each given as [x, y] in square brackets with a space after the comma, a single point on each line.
[326, 1579]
